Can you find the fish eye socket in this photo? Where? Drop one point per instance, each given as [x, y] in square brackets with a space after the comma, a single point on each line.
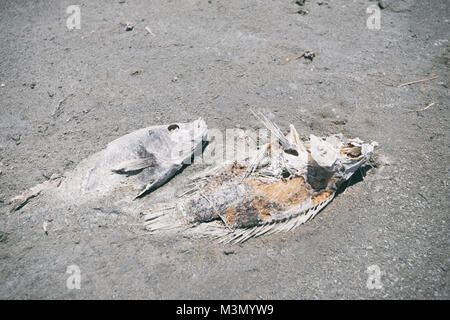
[292, 152]
[173, 127]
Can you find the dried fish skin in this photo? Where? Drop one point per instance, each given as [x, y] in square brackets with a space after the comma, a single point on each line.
[282, 187]
[243, 202]
[129, 167]
[149, 157]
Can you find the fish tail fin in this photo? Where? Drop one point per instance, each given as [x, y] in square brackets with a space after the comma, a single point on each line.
[162, 219]
[20, 201]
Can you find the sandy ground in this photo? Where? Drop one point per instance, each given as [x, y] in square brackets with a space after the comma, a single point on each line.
[66, 93]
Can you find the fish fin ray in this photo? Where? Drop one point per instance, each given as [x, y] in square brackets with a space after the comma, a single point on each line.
[134, 165]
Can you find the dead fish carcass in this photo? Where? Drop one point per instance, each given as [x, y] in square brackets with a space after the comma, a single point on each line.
[286, 184]
[129, 167]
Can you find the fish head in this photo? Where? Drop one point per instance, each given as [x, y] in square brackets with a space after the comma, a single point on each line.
[340, 156]
[186, 139]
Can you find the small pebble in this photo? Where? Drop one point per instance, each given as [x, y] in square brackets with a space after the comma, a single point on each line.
[129, 27]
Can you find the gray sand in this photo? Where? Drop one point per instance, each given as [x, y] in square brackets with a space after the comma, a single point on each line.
[67, 93]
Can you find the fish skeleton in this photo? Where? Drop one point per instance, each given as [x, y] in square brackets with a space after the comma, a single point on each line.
[281, 186]
[128, 168]
[285, 185]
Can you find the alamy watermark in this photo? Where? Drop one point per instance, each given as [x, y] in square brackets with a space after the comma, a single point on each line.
[224, 146]
[74, 19]
[374, 279]
[374, 20]
[74, 280]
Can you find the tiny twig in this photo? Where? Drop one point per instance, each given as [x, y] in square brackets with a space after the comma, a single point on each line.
[418, 81]
[423, 109]
[150, 31]
[422, 195]
[289, 59]
[308, 54]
